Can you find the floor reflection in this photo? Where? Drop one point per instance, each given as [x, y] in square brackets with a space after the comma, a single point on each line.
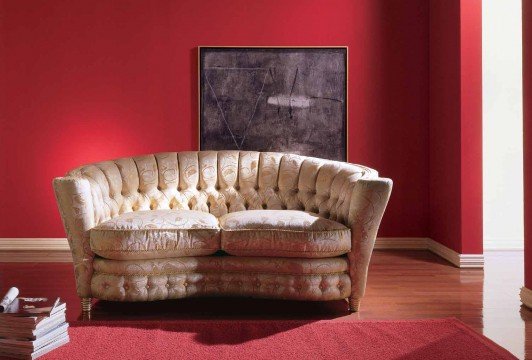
[503, 278]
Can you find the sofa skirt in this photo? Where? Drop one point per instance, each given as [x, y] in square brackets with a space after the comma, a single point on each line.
[259, 277]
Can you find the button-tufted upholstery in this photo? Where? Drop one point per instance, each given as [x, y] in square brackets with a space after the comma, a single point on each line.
[285, 278]
[225, 182]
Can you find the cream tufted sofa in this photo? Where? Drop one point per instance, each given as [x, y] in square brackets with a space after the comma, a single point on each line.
[175, 225]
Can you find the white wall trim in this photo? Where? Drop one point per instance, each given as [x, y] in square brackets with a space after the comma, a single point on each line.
[57, 250]
[21, 244]
[401, 243]
[526, 297]
[34, 250]
[457, 259]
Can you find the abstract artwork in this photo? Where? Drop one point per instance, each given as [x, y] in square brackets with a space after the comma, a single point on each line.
[274, 99]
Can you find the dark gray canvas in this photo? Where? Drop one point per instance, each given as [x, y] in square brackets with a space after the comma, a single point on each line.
[274, 99]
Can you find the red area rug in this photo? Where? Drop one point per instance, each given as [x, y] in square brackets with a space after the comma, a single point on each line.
[280, 340]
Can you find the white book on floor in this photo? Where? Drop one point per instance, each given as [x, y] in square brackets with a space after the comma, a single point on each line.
[17, 331]
[34, 355]
[30, 346]
[23, 311]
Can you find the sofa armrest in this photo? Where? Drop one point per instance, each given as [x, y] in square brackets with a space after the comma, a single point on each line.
[76, 208]
[368, 202]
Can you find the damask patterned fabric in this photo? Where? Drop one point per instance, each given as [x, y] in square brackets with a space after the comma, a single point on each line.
[218, 183]
[221, 182]
[156, 234]
[284, 233]
[282, 278]
[314, 287]
[228, 264]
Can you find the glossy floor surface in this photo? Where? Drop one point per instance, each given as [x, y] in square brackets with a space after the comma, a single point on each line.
[401, 285]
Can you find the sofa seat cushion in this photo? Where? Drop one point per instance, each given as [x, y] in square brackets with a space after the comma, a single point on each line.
[283, 233]
[156, 234]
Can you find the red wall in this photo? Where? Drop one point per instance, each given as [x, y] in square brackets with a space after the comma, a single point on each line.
[527, 143]
[471, 126]
[455, 135]
[444, 132]
[94, 80]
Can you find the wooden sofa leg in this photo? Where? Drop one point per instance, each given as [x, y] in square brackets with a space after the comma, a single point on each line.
[86, 305]
[354, 304]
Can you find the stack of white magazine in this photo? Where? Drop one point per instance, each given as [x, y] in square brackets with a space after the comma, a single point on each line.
[31, 327]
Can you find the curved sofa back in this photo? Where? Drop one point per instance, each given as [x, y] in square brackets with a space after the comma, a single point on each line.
[221, 181]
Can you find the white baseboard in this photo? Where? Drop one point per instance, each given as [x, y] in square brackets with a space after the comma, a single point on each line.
[457, 259]
[401, 243]
[526, 297]
[46, 244]
[57, 250]
[34, 250]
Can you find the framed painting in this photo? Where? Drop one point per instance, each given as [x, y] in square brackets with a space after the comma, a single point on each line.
[283, 99]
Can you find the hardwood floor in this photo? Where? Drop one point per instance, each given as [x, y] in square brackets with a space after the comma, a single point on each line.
[401, 285]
